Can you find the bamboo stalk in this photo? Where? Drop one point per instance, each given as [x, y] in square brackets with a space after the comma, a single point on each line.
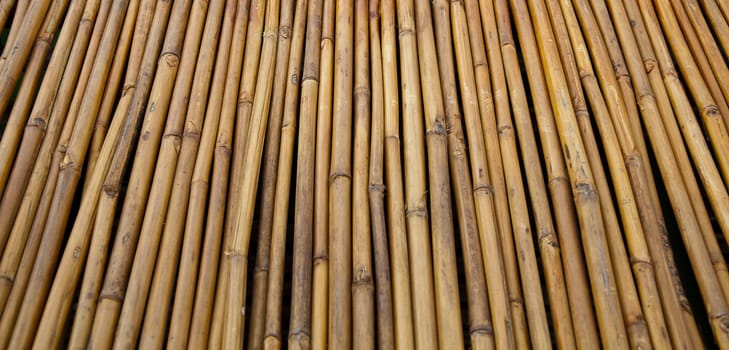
[483, 196]
[116, 277]
[18, 17]
[38, 120]
[383, 282]
[299, 336]
[444, 255]
[233, 331]
[26, 94]
[402, 307]
[192, 247]
[68, 178]
[6, 9]
[363, 288]
[340, 184]
[270, 203]
[204, 304]
[480, 327]
[320, 257]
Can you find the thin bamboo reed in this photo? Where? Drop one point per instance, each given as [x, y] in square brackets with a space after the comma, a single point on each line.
[19, 16]
[480, 327]
[320, 256]
[383, 279]
[402, 306]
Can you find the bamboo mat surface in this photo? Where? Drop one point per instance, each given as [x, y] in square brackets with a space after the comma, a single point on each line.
[391, 174]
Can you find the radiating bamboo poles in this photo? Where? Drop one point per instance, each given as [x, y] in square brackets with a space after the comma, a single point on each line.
[363, 287]
[269, 208]
[215, 234]
[340, 183]
[401, 297]
[480, 327]
[299, 336]
[383, 279]
[233, 329]
[272, 332]
[192, 246]
[483, 195]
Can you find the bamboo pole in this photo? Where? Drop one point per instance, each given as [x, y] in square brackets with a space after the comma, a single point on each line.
[383, 281]
[320, 269]
[116, 277]
[20, 8]
[480, 327]
[340, 184]
[272, 318]
[68, 177]
[192, 246]
[26, 94]
[6, 9]
[483, 196]
[205, 301]
[233, 329]
[15, 55]
[38, 119]
[168, 253]
[363, 288]
[270, 167]
[599, 264]
[300, 325]
[401, 288]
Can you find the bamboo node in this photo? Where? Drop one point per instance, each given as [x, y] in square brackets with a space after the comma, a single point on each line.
[641, 264]
[483, 329]
[548, 237]
[171, 59]
[377, 188]
[284, 32]
[712, 111]
[438, 128]
[505, 129]
[649, 64]
[334, 176]
[111, 190]
[585, 190]
[299, 339]
[420, 211]
[39, 123]
[268, 35]
[723, 320]
[321, 259]
[487, 190]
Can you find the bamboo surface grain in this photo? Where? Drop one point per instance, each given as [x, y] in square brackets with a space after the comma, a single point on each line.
[391, 174]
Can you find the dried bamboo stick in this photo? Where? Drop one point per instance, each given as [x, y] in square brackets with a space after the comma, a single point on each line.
[480, 327]
[444, 254]
[192, 246]
[320, 269]
[270, 167]
[233, 329]
[383, 280]
[26, 94]
[402, 307]
[6, 9]
[363, 288]
[299, 336]
[68, 177]
[168, 253]
[205, 301]
[130, 219]
[18, 17]
[340, 183]
[483, 196]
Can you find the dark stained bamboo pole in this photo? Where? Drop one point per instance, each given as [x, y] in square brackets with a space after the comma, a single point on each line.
[340, 183]
[65, 282]
[39, 118]
[18, 50]
[157, 312]
[445, 275]
[68, 178]
[120, 260]
[383, 279]
[320, 270]
[234, 325]
[621, 164]
[215, 238]
[363, 288]
[536, 314]
[480, 327]
[269, 209]
[401, 288]
[192, 246]
[599, 264]
[299, 336]
[28, 87]
[416, 196]
[483, 196]
[28, 227]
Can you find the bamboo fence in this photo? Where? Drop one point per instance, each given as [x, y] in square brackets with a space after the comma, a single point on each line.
[364, 174]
